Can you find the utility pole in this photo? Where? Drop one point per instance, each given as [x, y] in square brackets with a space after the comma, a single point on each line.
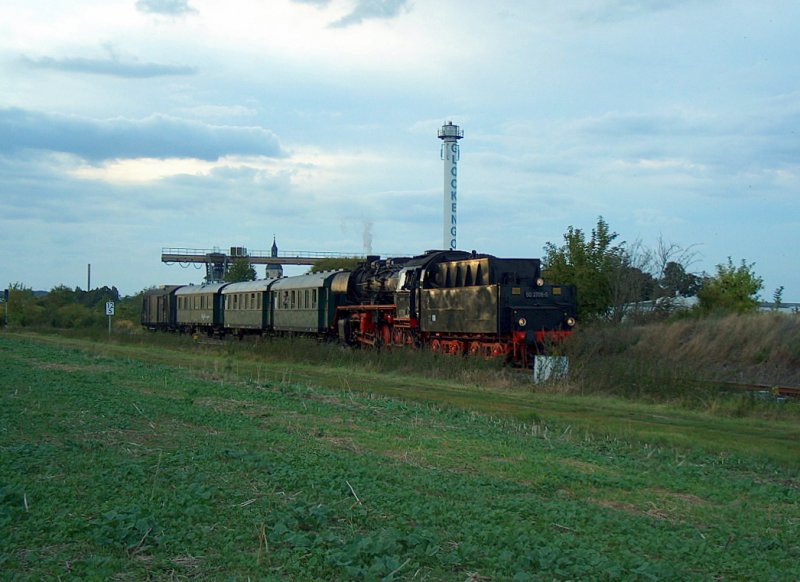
[6, 296]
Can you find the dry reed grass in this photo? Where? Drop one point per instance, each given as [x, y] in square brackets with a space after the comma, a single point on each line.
[670, 358]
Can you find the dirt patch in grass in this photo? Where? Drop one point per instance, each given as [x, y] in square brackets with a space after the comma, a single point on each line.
[246, 407]
[686, 498]
[587, 468]
[628, 508]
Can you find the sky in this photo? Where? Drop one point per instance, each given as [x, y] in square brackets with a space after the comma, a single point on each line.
[128, 126]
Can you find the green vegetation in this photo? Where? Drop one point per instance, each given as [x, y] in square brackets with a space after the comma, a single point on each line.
[65, 308]
[614, 279]
[176, 460]
[336, 264]
[732, 290]
[589, 264]
[240, 270]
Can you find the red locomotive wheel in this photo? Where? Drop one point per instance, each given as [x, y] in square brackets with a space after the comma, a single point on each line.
[436, 346]
[386, 335]
[475, 349]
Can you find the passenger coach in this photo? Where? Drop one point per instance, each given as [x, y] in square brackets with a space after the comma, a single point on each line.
[305, 304]
[199, 308]
[159, 309]
[246, 307]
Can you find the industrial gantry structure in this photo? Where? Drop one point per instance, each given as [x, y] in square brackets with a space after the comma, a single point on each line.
[217, 260]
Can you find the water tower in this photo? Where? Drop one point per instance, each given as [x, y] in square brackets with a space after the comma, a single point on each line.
[450, 134]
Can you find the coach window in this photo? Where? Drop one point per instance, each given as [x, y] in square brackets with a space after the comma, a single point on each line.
[313, 298]
[294, 302]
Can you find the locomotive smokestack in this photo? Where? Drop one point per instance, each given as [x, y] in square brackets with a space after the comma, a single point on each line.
[450, 134]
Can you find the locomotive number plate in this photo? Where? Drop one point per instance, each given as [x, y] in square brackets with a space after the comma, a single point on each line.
[537, 294]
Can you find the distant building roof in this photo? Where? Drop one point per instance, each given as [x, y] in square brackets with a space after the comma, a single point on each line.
[782, 308]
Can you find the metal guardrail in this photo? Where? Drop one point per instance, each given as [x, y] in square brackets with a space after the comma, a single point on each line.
[190, 253]
[217, 256]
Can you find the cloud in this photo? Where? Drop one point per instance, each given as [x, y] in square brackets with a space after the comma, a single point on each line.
[614, 123]
[165, 7]
[157, 136]
[372, 9]
[619, 10]
[111, 67]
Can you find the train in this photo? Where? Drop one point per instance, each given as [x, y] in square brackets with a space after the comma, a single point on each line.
[450, 302]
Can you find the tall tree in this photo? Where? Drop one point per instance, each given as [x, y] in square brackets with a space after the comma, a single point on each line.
[732, 290]
[240, 270]
[676, 282]
[592, 265]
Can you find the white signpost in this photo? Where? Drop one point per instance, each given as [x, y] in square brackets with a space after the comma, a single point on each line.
[109, 313]
[546, 368]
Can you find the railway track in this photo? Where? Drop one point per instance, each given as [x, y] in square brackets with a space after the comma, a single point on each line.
[785, 391]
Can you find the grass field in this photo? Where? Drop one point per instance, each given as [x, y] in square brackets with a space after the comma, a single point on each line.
[132, 461]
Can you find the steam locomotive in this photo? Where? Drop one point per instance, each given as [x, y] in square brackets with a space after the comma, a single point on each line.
[451, 302]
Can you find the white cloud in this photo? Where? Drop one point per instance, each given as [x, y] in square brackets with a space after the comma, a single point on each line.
[112, 67]
[157, 136]
[372, 9]
[165, 7]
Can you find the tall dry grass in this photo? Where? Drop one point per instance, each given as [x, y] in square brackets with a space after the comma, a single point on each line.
[687, 358]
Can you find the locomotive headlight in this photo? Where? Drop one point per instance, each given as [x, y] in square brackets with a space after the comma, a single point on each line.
[571, 321]
[522, 322]
[540, 282]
